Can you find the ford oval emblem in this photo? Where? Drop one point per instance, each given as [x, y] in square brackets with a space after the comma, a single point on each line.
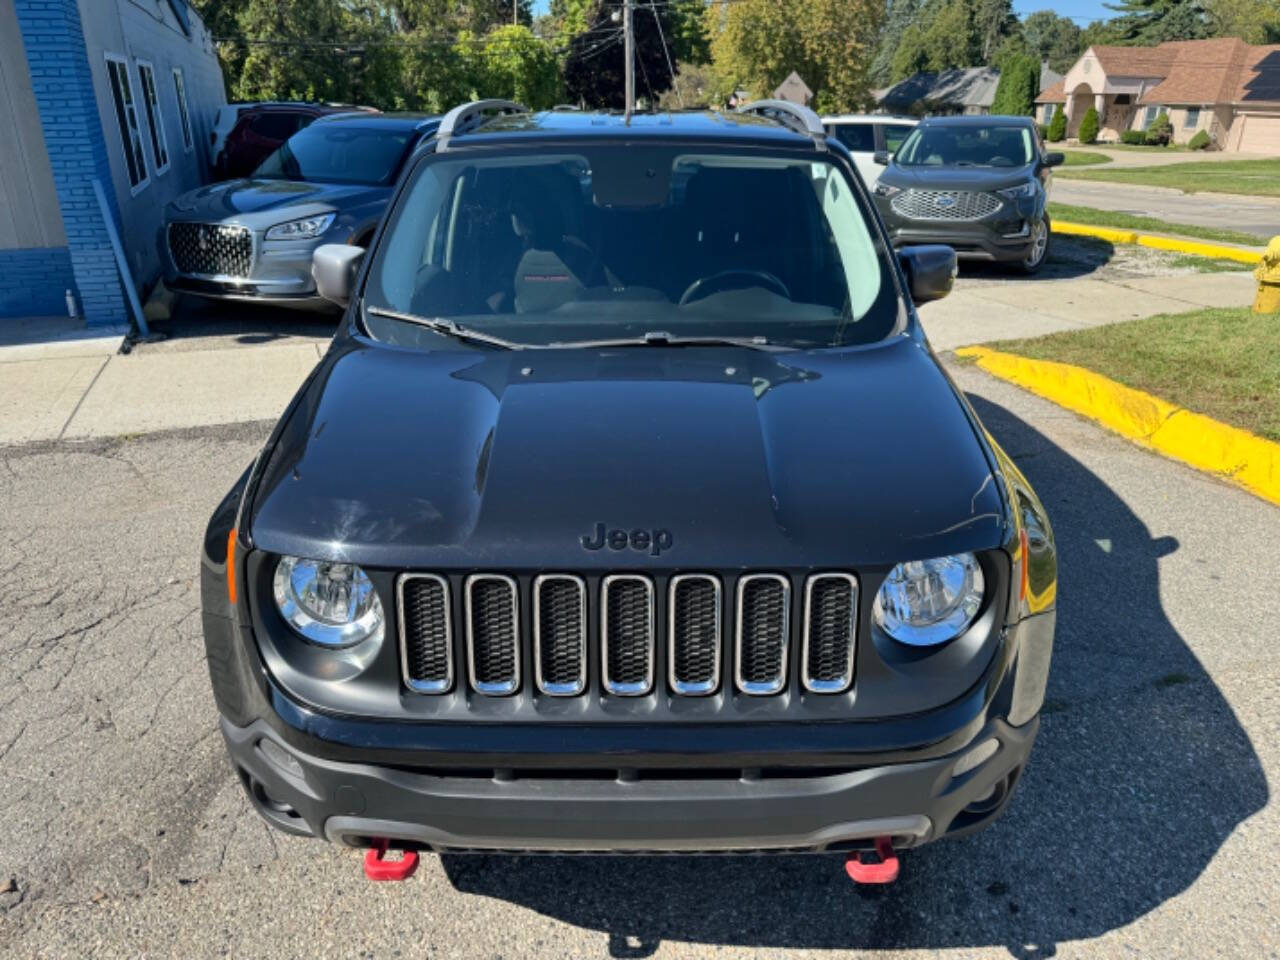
[946, 201]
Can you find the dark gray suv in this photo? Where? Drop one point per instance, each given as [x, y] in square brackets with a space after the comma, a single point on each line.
[977, 184]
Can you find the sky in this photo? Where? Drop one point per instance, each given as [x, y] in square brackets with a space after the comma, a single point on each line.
[1081, 11]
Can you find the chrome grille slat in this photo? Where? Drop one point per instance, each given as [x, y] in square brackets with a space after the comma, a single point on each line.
[763, 628]
[493, 633]
[627, 634]
[693, 634]
[426, 632]
[211, 249]
[830, 632]
[945, 205]
[560, 634]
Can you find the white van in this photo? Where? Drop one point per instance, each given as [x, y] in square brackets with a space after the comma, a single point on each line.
[865, 134]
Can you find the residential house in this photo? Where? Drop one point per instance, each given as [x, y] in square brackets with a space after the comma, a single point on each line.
[1227, 87]
[121, 92]
[970, 90]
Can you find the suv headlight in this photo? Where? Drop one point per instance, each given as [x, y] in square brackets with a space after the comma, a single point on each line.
[1020, 192]
[330, 604]
[927, 602]
[303, 229]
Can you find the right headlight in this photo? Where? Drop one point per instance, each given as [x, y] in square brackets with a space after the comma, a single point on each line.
[923, 603]
[330, 604]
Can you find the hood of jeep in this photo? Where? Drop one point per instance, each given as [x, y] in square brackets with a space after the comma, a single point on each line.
[648, 457]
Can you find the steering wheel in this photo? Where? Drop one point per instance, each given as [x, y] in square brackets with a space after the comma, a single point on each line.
[695, 292]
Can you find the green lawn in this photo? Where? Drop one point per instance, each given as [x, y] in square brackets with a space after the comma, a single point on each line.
[1083, 158]
[1224, 363]
[1251, 177]
[1128, 221]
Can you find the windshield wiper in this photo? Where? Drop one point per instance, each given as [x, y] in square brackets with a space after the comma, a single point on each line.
[447, 327]
[660, 338]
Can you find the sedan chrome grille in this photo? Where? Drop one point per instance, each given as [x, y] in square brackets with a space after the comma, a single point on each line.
[764, 617]
[949, 205]
[830, 629]
[493, 633]
[560, 634]
[693, 634]
[426, 634]
[627, 634]
[211, 249]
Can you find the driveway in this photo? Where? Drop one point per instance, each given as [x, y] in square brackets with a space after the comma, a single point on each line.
[1257, 215]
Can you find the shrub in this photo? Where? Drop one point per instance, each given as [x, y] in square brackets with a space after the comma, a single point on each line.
[1161, 131]
[1134, 137]
[1089, 126]
[1058, 126]
[1042, 130]
[1200, 141]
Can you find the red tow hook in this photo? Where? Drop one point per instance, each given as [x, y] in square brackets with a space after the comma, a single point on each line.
[886, 871]
[378, 867]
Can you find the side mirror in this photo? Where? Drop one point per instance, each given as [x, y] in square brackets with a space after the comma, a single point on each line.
[333, 267]
[881, 157]
[931, 271]
[1054, 159]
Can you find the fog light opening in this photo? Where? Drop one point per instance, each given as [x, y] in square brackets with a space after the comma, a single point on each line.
[990, 800]
[268, 802]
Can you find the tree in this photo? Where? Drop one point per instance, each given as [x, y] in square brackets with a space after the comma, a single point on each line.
[992, 21]
[1053, 38]
[688, 39]
[1088, 132]
[1148, 22]
[955, 33]
[512, 64]
[1058, 126]
[901, 17]
[1253, 21]
[1019, 84]
[594, 68]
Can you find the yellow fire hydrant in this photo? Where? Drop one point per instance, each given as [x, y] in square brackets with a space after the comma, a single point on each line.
[1268, 277]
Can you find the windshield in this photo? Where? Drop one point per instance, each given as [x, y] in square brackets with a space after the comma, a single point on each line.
[622, 242]
[339, 153]
[968, 146]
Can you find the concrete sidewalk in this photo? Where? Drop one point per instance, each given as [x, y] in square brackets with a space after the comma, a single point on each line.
[94, 391]
[1256, 215]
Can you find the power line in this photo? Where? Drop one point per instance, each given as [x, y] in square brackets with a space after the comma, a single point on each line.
[666, 53]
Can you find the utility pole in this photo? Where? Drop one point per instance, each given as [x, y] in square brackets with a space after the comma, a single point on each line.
[515, 12]
[628, 34]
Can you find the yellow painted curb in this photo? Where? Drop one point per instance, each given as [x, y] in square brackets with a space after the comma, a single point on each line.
[1202, 442]
[1196, 248]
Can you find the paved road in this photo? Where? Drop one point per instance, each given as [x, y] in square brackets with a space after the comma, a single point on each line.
[1257, 215]
[1144, 825]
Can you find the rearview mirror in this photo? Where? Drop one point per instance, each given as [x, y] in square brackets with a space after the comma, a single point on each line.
[931, 271]
[1054, 159]
[334, 266]
[881, 157]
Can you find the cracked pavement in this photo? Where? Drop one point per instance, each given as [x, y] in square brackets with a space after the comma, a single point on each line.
[1143, 826]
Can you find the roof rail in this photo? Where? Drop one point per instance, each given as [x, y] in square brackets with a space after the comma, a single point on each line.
[798, 118]
[468, 116]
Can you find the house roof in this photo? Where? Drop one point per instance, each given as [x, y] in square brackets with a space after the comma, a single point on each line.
[968, 87]
[1055, 93]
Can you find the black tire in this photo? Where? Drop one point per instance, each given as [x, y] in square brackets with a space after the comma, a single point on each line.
[1038, 252]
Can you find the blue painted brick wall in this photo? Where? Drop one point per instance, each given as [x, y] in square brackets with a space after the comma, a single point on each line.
[34, 282]
[62, 80]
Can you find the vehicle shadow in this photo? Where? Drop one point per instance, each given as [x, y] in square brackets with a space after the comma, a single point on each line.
[1069, 257]
[208, 323]
[1140, 773]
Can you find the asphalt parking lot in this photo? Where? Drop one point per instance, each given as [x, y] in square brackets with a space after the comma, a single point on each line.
[1144, 826]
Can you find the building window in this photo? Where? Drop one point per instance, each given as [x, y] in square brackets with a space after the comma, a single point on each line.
[159, 147]
[1149, 117]
[1049, 110]
[1191, 119]
[127, 117]
[184, 118]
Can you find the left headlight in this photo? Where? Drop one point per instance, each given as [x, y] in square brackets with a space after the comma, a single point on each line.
[330, 604]
[923, 603]
[1020, 192]
[303, 229]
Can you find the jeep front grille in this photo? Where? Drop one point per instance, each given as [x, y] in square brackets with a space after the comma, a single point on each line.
[211, 249]
[764, 622]
[605, 633]
[426, 635]
[949, 205]
[493, 633]
[627, 634]
[830, 628]
[560, 634]
[693, 634]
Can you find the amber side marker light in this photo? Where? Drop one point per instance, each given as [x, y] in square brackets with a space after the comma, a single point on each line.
[231, 566]
[1023, 587]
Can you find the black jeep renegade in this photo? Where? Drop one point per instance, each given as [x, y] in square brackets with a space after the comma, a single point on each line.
[630, 510]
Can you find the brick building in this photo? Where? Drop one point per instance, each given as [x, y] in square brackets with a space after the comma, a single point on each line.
[118, 91]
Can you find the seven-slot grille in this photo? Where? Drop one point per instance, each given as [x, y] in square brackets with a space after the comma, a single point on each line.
[628, 633]
[945, 204]
[211, 249]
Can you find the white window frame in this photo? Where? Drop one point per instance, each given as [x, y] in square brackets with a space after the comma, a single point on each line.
[184, 111]
[130, 107]
[1186, 116]
[154, 118]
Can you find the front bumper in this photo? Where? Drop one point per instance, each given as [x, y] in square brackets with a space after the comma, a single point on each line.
[646, 810]
[1004, 236]
[280, 274]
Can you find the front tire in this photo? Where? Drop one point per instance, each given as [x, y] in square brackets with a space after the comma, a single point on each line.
[1038, 251]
